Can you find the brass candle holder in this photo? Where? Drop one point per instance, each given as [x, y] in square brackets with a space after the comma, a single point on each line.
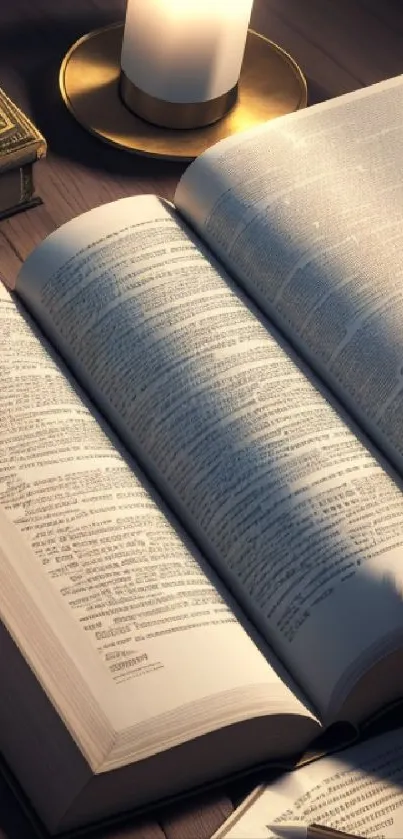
[271, 84]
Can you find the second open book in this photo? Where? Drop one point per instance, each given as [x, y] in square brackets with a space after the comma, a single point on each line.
[163, 631]
[359, 790]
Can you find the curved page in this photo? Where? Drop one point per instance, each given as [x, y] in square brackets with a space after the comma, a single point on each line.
[298, 517]
[111, 604]
[307, 211]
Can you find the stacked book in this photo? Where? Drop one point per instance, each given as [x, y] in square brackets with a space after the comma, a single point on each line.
[21, 144]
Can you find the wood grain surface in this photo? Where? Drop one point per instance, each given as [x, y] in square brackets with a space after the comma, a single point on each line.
[340, 44]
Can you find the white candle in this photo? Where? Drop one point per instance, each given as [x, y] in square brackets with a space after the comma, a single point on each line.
[185, 51]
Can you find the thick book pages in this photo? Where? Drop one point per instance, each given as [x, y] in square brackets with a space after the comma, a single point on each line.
[359, 791]
[269, 479]
[116, 613]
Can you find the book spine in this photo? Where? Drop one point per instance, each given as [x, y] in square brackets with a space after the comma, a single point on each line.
[26, 183]
[16, 190]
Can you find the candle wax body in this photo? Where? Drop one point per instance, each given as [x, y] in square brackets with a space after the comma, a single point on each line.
[185, 50]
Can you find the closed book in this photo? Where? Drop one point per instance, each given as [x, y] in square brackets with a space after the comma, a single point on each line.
[21, 144]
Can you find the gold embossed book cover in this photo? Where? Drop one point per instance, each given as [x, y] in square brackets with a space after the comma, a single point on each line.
[20, 140]
[21, 144]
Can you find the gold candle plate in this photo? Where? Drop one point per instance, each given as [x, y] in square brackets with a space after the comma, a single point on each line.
[271, 84]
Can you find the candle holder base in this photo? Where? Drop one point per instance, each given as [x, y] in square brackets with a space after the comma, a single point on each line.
[271, 84]
[175, 114]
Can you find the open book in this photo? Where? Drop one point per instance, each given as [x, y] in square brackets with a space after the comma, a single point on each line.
[359, 790]
[201, 522]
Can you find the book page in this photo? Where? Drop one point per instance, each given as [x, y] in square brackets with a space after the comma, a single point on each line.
[359, 791]
[98, 581]
[294, 512]
[307, 212]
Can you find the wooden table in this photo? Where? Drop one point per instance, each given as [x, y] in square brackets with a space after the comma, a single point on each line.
[340, 45]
